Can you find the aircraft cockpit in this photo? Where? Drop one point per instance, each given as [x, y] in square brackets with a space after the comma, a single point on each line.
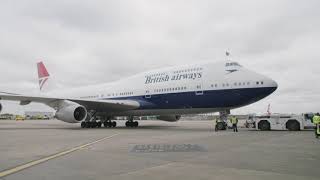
[234, 64]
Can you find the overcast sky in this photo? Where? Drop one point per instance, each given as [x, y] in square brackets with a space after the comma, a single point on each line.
[90, 42]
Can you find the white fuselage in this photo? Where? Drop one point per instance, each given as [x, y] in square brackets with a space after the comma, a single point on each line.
[198, 88]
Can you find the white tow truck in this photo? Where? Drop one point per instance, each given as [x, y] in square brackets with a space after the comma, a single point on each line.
[289, 122]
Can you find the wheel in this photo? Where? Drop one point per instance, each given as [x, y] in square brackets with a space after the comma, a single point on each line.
[128, 124]
[132, 124]
[264, 125]
[114, 124]
[106, 124]
[93, 124]
[83, 124]
[99, 124]
[221, 126]
[87, 124]
[293, 125]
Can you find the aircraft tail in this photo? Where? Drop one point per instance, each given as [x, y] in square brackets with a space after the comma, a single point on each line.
[43, 76]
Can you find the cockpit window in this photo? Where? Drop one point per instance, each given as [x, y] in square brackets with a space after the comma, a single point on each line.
[232, 64]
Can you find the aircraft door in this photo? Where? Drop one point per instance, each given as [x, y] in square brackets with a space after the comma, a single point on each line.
[147, 94]
[198, 82]
[199, 90]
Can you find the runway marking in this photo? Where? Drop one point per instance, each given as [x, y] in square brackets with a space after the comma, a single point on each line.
[42, 160]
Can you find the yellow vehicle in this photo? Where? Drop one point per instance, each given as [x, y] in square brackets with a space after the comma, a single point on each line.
[20, 118]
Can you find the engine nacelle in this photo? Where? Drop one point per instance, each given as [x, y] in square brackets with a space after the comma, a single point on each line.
[71, 112]
[169, 118]
[0, 107]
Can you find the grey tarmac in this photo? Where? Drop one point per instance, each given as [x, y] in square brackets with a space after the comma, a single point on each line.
[69, 152]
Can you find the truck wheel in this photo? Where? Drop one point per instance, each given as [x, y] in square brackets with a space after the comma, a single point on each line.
[264, 125]
[221, 126]
[293, 125]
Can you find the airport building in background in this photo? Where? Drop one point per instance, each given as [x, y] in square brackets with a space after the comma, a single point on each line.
[33, 114]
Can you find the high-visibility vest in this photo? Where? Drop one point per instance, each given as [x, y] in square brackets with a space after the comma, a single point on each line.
[234, 120]
[316, 119]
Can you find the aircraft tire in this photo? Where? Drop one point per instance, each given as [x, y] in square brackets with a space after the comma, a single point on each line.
[106, 124]
[132, 124]
[99, 124]
[114, 124]
[264, 125]
[83, 124]
[293, 125]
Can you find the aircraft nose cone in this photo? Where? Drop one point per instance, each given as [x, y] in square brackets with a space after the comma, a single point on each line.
[272, 86]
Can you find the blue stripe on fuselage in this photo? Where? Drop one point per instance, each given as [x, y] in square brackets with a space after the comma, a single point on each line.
[226, 98]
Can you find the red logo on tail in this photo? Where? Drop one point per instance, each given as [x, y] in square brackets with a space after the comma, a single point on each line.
[42, 74]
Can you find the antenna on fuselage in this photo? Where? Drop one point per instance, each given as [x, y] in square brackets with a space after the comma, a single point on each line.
[227, 55]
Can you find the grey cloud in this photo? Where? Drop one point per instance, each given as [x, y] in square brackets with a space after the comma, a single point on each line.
[89, 42]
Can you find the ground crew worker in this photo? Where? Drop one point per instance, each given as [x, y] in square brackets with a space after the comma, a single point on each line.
[234, 122]
[316, 122]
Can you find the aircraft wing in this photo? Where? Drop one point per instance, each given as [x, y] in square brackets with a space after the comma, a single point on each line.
[98, 105]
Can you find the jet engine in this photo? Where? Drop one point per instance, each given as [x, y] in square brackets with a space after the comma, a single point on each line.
[169, 118]
[71, 112]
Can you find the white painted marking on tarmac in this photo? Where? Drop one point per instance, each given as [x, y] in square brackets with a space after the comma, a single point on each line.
[39, 161]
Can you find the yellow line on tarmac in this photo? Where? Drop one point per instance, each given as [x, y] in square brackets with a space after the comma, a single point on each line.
[36, 162]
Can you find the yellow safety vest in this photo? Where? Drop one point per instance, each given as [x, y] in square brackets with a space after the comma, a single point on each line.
[233, 120]
[316, 120]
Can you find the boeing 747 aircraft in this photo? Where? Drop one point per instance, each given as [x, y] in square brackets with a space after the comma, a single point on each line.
[167, 93]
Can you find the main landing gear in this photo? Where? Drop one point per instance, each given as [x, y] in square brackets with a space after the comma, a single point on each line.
[98, 124]
[91, 121]
[110, 124]
[91, 124]
[131, 123]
